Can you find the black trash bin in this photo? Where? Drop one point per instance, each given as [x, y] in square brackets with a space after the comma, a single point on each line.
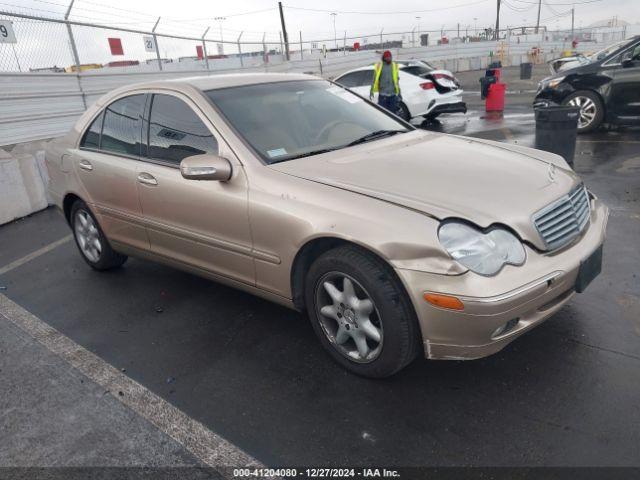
[557, 129]
[525, 70]
[485, 83]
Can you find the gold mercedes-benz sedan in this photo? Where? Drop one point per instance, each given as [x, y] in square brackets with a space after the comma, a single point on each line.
[394, 240]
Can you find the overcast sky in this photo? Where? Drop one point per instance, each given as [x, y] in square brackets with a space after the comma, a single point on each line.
[366, 17]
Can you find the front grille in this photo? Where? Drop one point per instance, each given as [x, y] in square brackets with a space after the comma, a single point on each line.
[563, 220]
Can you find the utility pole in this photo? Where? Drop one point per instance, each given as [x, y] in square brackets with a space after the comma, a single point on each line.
[573, 20]
[335, 37]
[284, 32]
[538, 21]
[221, 44]
[497, 34]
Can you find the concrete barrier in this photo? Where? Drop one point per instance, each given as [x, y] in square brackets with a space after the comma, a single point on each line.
[14, 201]
[23, 182]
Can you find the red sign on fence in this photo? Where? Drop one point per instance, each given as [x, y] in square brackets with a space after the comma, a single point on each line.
[115, 45]
[200, 52]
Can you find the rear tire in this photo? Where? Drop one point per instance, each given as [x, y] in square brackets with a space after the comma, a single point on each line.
[403, 112]
[591, 110]
[370, 327]
[91, 241]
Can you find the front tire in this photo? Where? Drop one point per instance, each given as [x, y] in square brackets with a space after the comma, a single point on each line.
[591, 110]
[91, 241]
[360, 312]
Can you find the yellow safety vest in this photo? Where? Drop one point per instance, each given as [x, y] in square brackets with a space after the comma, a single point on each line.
[378, 71]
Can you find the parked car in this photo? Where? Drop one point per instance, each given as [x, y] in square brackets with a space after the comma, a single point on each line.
[394, 240]
[421, 96]
[606, 88]
[444, 80]
[565, 63]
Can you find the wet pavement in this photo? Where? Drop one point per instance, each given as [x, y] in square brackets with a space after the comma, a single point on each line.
[566, 393]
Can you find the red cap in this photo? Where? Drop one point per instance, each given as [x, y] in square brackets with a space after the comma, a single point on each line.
[386, 54]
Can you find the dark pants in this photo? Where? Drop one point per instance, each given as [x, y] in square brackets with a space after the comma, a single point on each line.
[388, 102]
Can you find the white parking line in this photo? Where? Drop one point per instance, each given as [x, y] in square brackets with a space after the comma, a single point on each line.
[36, 254]
[207, 446]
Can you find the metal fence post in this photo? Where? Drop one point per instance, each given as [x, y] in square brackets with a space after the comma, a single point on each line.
[74, 51]
[240, 49]
[204, 48]
[301, 58]
[381, 43]
[264, 50]
[344, 44]
[281, 45]
[155, 44]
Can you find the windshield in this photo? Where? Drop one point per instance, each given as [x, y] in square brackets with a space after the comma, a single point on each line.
[287, 120]
[605, 52]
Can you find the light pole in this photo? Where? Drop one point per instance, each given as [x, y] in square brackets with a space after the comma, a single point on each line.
[220, 20]
[475, 26]
[335, 38]
[418, 21]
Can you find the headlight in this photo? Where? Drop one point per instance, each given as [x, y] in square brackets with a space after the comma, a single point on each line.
[553, 83]
[483, 253]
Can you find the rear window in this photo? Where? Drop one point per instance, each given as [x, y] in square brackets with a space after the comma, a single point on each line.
[121, 130]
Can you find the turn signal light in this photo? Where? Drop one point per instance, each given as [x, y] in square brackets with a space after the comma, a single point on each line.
[427, 85]
[444, 301]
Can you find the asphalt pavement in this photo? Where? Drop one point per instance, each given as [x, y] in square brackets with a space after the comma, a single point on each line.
[565, 394]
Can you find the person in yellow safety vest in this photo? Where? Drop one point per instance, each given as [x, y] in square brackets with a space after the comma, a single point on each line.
[385, 82]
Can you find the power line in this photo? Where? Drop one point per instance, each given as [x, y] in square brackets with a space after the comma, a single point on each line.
[584, 2]
[354, 12]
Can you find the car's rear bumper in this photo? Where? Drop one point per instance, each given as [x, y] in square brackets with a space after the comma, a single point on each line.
[457, 107]
[521, 297]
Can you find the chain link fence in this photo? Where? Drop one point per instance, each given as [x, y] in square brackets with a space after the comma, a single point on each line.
[34, 44]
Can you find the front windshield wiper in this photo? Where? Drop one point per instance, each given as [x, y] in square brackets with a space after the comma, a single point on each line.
[366, 138]
[374, 136]
[305, 154]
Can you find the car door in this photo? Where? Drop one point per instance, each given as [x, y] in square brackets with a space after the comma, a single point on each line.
[106, 165]
[203, 224]
[625, 89]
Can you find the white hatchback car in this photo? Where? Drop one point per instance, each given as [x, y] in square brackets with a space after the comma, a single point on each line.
[421, 97]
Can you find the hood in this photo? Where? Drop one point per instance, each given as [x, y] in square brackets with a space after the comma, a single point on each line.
[446, 176]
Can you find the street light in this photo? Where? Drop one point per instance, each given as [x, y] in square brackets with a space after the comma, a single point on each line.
[475, 26]
[220, 20]
[418, 21]
[335, 38]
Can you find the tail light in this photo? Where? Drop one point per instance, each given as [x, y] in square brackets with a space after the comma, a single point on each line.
[427, 85]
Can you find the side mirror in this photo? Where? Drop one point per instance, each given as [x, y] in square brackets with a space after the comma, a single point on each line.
[206, 167]
[627, 60]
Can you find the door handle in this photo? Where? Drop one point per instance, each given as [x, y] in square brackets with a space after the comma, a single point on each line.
[85, 165]
[147, 179]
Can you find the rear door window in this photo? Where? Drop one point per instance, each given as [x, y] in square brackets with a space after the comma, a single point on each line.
[176, 131]
[349, 80]
[122, 125]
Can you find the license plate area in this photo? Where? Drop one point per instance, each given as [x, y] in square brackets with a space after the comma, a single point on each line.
[589, 269]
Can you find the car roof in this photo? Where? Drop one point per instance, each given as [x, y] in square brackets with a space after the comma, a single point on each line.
[213, 82]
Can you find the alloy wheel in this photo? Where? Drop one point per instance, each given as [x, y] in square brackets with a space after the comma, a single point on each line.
[88, 236]
[349, 317]
[588, 110]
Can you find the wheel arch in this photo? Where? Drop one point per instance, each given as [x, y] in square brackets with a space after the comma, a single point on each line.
[68, 201]
[311, 251]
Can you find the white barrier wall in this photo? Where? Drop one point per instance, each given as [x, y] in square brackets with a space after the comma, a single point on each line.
[45, 105]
